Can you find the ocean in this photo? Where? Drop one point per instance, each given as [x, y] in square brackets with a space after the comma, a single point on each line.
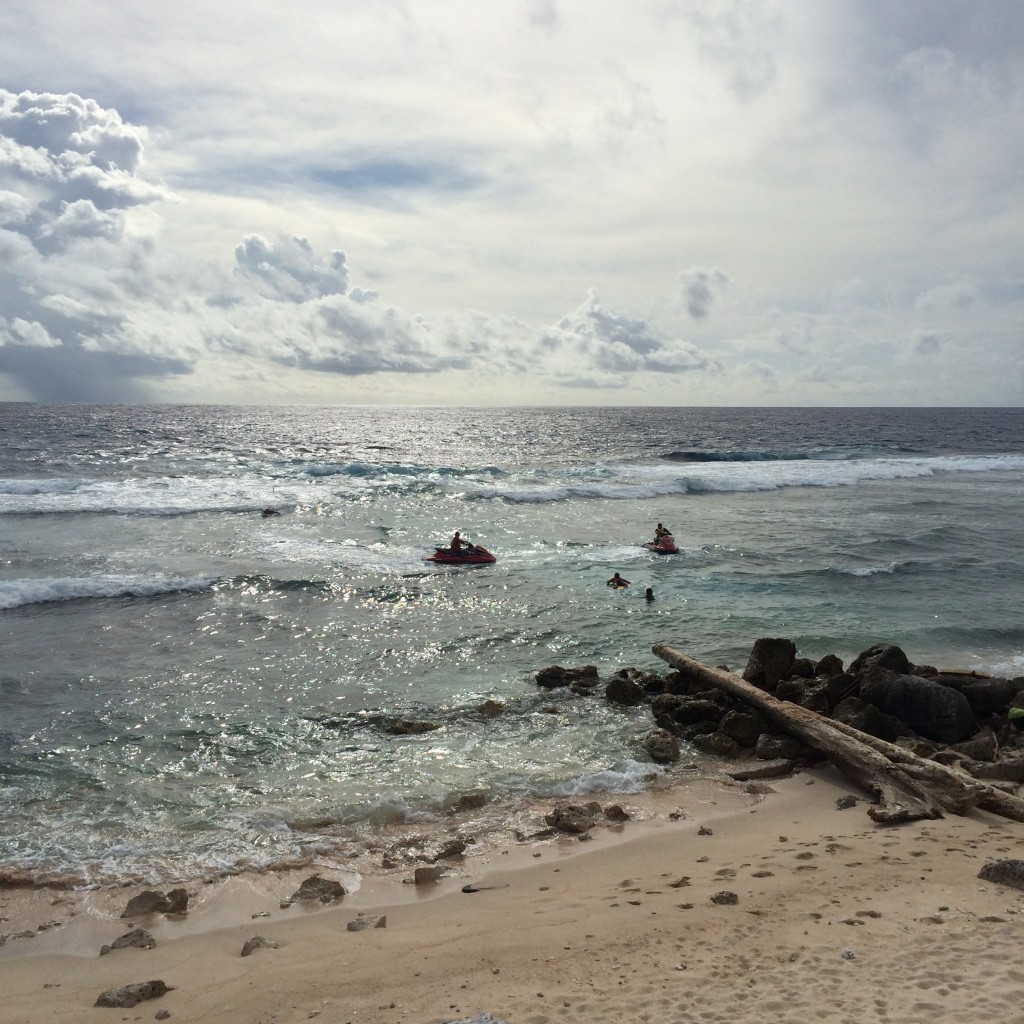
[190, 689]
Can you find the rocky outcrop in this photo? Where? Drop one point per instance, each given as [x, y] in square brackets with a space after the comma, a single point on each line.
[954, 718]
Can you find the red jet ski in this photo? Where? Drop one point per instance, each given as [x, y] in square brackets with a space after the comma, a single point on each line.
[663, 545]
[472, 555]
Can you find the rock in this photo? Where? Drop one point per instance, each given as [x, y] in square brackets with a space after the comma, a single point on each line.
[778, 748]
[315, 889]
[427, 876]
[867, 718]
[411, 727]
[1004, 872]
[257, 942]
[922, 705]
[803, 668]
[130, 995]
[716, 744]
[725, 898]
[137, 939]
[453, 848]
[742, 726]
[649, 682]
[661, 746]
[491, 709]
[366, 921]
[981, 747]
[771, 659]
[687, 710]
[555, 675]
[886, 656]
[829, 666]
[625, 691]
[573, 818]
[615, 812]
[986, 696]
[152, 902]
[471, 801]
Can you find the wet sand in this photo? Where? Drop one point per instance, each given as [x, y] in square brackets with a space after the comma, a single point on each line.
[732, 909]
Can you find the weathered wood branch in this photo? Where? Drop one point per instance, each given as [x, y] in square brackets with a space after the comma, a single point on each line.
[907, 787]
[987, 797]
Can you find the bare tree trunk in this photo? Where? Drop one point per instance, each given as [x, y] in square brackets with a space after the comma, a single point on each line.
[906, 786]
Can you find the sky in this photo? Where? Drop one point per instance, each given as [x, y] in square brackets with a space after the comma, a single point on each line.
[520, 202]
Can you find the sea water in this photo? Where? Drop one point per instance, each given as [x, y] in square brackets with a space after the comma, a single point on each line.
[189, 688]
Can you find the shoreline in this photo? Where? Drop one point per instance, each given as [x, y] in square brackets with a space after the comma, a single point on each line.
[835, 919]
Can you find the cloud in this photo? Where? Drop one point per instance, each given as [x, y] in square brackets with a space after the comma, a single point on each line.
[412, 204]
[288, 269]
[926, 343]
[699, 286]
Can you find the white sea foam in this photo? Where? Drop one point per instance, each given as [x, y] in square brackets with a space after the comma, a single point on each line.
[15, 593]
[868, 570]
[636, 482]
[629, 777]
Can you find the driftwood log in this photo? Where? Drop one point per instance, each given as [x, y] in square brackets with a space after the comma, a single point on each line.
[906, 787]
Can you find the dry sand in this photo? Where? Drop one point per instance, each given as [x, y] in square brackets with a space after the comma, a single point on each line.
[836, 920]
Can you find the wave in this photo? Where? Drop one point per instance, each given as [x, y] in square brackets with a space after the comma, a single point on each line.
[330, 486]
[888, 569]
[632, 482]
[749, 456]
[16, 593]
[55, 485]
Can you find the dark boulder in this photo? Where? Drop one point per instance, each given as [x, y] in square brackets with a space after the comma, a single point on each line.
[924, 706]
[742, 726]
[650, 682]
[986, 696]
[317, 889]
[661, 746]
[829, 666]
[695, 729]
[881, 656]
[771, 659]
[625, 690]
[803, 668]
[774, 748]
[555, 675]
[716, 744]
[867, 718]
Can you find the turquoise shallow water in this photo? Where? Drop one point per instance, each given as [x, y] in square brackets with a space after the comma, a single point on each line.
[190, 688]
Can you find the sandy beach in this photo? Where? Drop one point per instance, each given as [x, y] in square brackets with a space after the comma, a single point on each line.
[830, 918]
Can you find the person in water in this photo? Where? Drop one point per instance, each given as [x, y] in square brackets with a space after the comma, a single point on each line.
[618, 581]
[649, 594]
